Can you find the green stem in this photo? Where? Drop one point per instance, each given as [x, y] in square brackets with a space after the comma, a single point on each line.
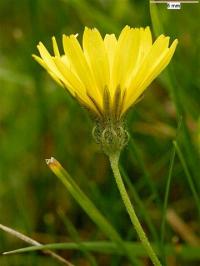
[114, 159]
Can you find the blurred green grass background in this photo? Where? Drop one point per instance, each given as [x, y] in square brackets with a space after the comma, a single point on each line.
[38, 120]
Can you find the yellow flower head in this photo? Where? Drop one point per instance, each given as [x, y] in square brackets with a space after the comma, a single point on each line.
[107, 75]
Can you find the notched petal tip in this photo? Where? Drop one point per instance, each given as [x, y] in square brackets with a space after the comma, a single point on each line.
[127, 27]
[40, 44]
[86, 30]
[95, 29]
[39, 60]
[147, 30]
[64, 37]
[89, 29]
[41, 48]
[55, 46]
[175, 42]
[173, 46]
[161, 36]
[73, 36]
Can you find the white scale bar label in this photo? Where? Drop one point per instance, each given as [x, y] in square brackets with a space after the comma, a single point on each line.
[173, 5]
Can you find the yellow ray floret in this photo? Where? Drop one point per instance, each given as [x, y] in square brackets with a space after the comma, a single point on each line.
[108, 75]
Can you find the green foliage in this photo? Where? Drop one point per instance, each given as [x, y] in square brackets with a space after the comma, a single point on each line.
[39, 120]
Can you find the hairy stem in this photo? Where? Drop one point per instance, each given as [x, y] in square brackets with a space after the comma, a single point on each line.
[114, 159]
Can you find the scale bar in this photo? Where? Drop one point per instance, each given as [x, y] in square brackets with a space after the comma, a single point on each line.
[166, 1]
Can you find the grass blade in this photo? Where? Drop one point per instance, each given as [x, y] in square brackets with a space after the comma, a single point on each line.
[75, 236]
[136, 152]
[87, 205]
[157, 26]
[163, 222]
[184, 251]
[166, 197]
[188, 175]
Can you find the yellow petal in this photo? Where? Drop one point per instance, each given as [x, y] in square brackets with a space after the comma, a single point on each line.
[110, 43]
[125, 56]
[96, 55]
[76, 57]
[74, 85]
[117, 67]
[152, 69]
[55, 47]
[145, 42]
[39, 60]
[47, 58]
[72, 82]
[79, 65]
[66, 61]
[164, 61]
[42, 63]
[144, 46]
[155, 53]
